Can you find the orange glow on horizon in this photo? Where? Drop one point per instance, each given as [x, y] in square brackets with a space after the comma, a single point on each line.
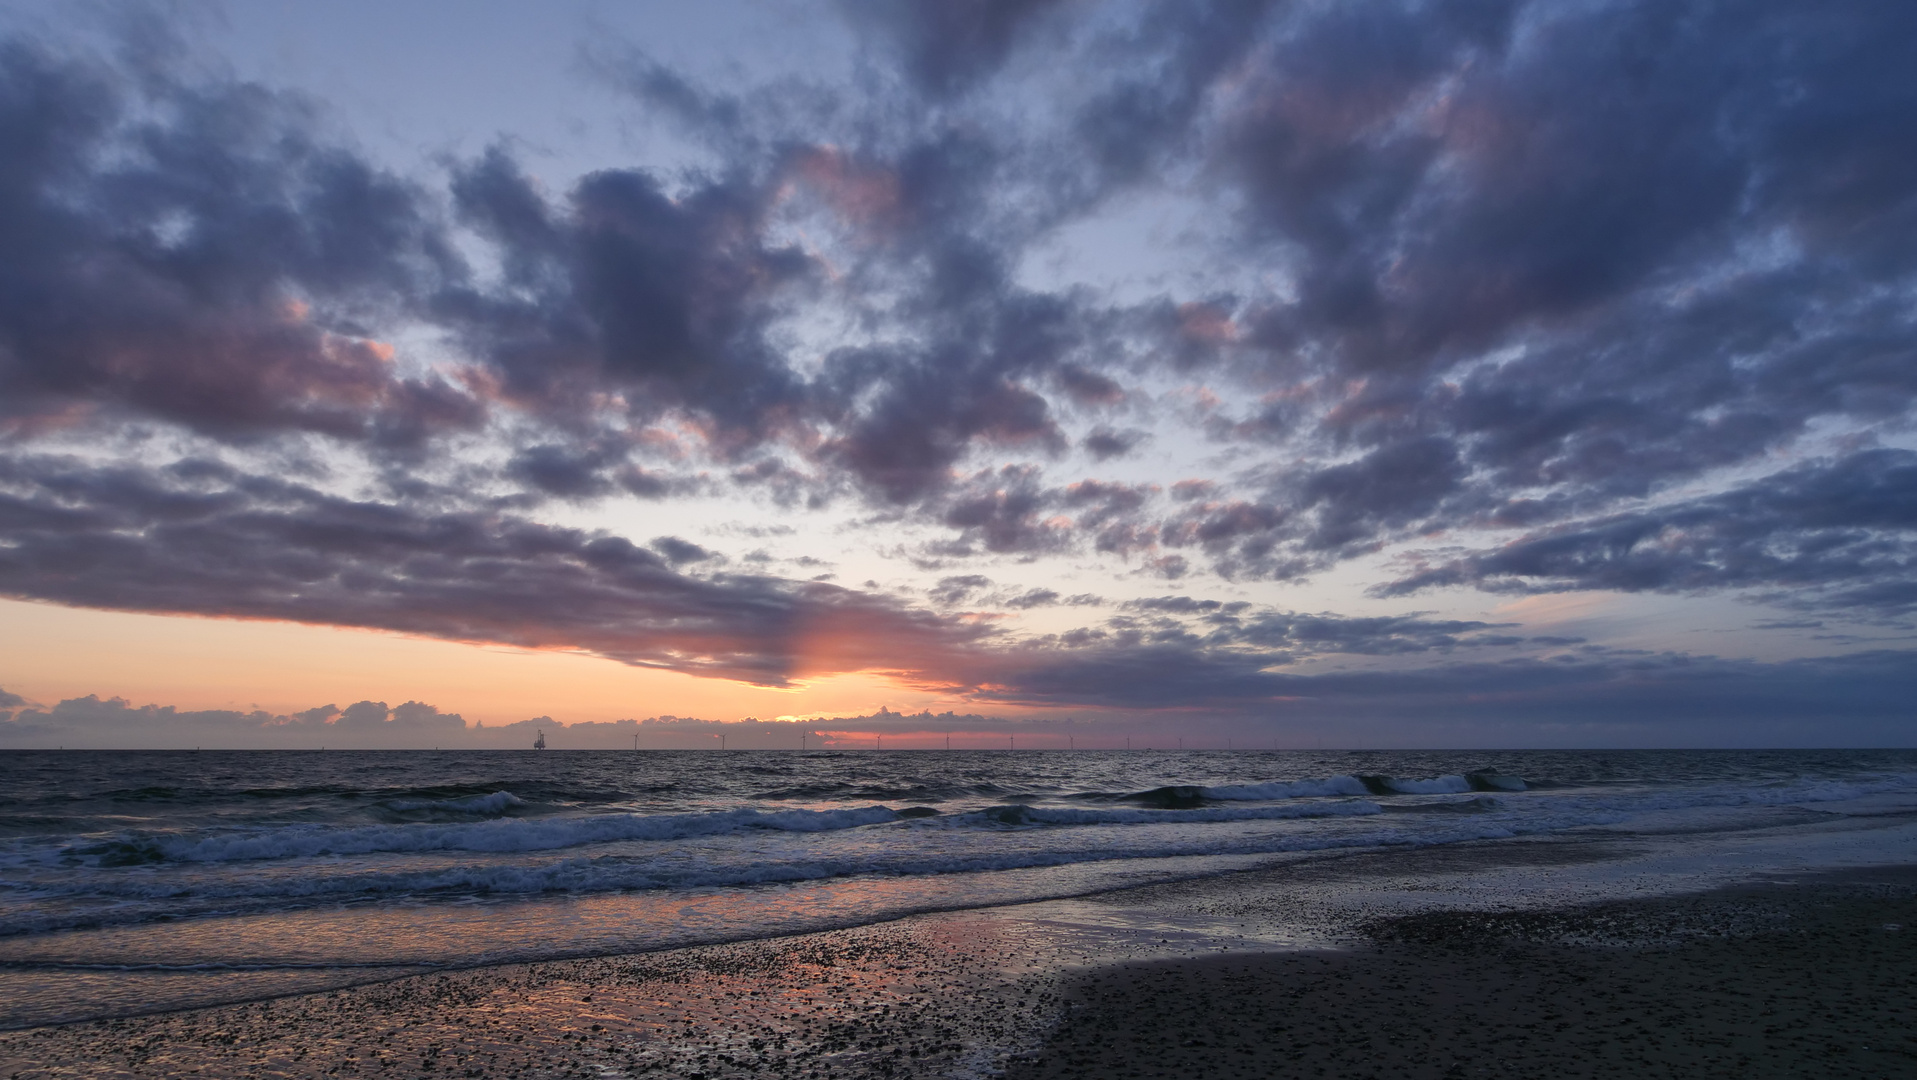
[49, 653]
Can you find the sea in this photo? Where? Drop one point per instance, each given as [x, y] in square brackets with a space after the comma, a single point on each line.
[140, 881]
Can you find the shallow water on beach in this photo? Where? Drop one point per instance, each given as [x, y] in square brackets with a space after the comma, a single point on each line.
[138, 880]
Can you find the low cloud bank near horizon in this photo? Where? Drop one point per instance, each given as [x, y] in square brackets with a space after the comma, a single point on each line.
[1595, 700]
[93, 722]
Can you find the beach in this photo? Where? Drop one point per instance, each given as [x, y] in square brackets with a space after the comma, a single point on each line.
[1806, 979]
[1485, 959]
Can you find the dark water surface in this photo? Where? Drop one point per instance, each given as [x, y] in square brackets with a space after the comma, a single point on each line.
[143, 879]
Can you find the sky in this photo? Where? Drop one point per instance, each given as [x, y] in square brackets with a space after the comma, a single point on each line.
[1473, 373]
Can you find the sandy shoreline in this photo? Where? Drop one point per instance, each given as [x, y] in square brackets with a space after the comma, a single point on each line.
[1385, 965]
[1805, 979]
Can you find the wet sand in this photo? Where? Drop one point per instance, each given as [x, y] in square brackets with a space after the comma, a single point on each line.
[1325, 970]
[1806, 980]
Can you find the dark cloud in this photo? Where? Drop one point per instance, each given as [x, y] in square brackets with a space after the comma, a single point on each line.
[1169, 567]
[1239, 534]
[1158, 73]
[1099, 501]
[977, 590]
[943, 48]
[928, 206]
[788, 487]
[1003, 510]
[91, 721]
[1670, 227]
[1180, 605]
[1088, 387]
[650, 484]
[1187, 490]
[667, 298]
[1839, 533]
[114, 722]
[1520, 196]
[952, 591]
[1386, 490]
[197, 538]
[412, 718]
[1453, 188]
[1287, 636]
[679, 552]
[1105, 443]
[1378, 636]
[199, 254]
[564, 470]
[1677, 262]
[1032, 598]
[1653, 699]
[1011, 511]
[930, 409]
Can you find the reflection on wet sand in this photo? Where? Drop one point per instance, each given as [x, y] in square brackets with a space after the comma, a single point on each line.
[1079, 987]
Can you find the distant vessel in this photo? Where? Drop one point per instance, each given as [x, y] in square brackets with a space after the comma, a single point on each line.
[540, 742]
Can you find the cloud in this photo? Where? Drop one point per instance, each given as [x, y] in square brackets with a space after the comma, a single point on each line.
[197, 538]
[943, 48]
[199, 255]
[1003, 510]
[1653, 257]
[115, 723]
[1354, 635]
[1104, 443]
[1442, 185]
[1034, 598]
[955, 590]
[626, 286]
[1662, 699]
[679, 552]
[930, 409]
[1837, 534]
[1278, 638]
[1238, 533]
[1388, 488]
[566, 471]
[1088, 387]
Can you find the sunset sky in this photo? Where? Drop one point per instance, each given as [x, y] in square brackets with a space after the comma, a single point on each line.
[1470, 373]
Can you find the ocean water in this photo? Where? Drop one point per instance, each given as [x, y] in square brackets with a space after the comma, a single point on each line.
[136, 881]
